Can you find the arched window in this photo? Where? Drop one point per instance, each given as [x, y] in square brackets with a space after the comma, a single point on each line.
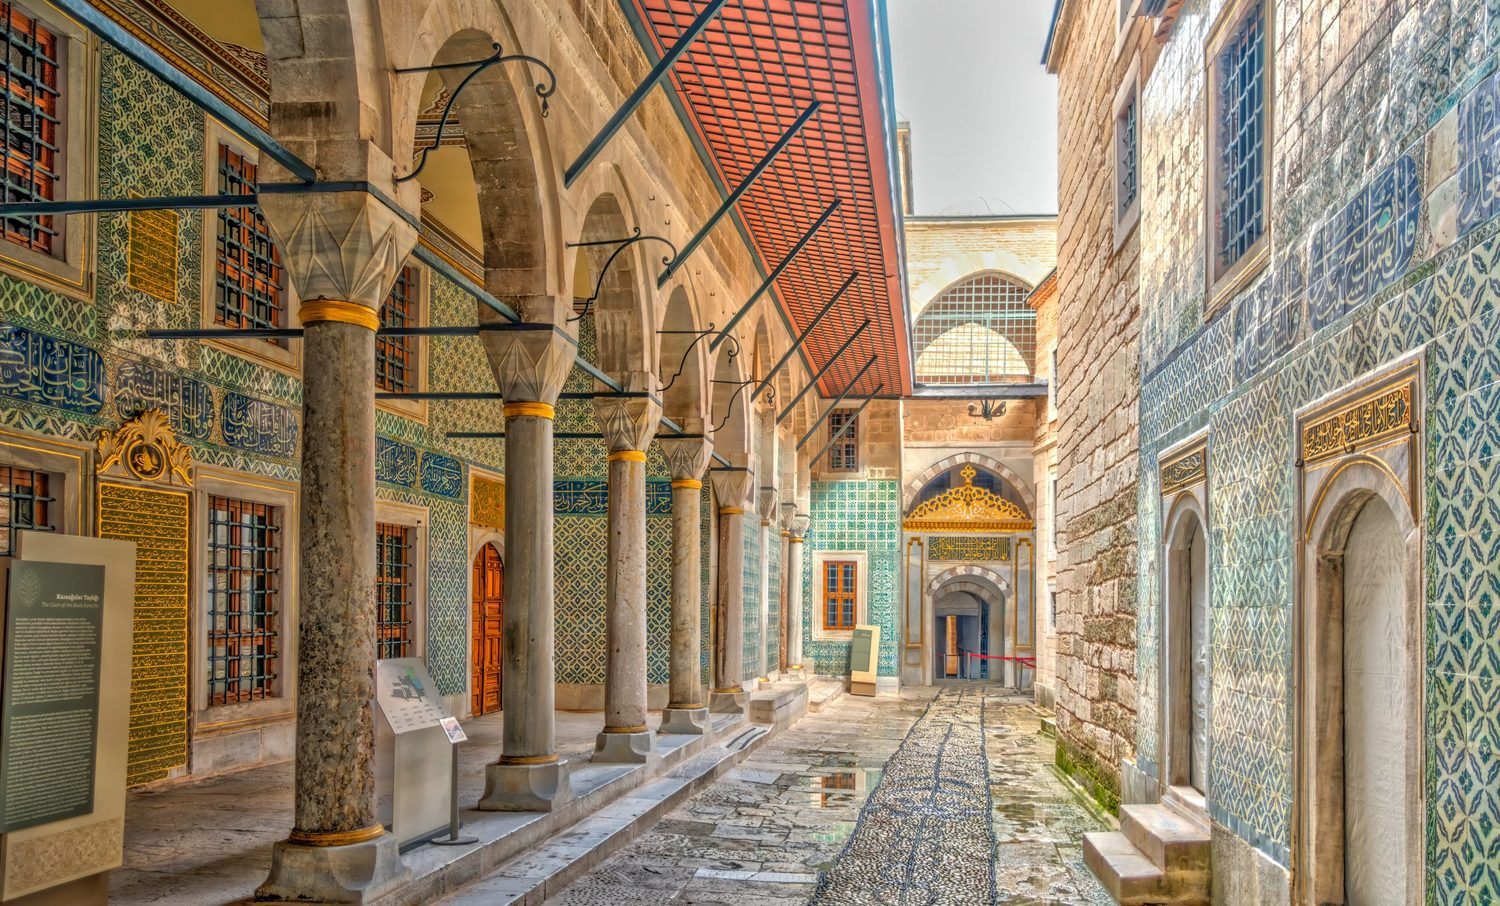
[978, 331]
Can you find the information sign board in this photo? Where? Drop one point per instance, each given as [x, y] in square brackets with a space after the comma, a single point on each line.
[49, 704]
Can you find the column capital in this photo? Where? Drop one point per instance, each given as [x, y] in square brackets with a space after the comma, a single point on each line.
[687, 457]
[627, 420]
[530, 361]
[339, 246]
[732, 486]
[766, 504]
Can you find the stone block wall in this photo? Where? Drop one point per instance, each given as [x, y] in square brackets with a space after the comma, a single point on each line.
[1098, 326]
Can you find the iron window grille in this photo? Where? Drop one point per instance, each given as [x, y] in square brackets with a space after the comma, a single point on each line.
[395, 357]
[978, 331]
[844, 455]
[1127, 175]
[249, 281]
[28, 504]
[1241, 139]
[31, 126]
[838, 594]
[393, 590]
[244, 600]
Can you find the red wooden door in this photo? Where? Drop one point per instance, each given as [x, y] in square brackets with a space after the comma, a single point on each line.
[489, 607]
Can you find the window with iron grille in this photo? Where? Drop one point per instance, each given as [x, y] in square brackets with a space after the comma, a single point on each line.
[28, 504]
[1240, 130]
[838, 593]
[395, 357]
[393, 590]
[244, 600]
[843, 456]
[1127, 186]
[978, 331]
[249, 282]
[31, 125]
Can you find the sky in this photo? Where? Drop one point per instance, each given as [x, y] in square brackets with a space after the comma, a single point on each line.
[983, 110]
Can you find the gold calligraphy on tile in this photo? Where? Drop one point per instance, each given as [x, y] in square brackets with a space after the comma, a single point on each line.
[157, 521]
[1364, 422]
[1184, 472]
[974, 549]
[487, 503]
[151, 259]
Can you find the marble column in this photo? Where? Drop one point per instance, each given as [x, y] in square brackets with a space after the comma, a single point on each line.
[687, 457]
[627, 421]
[796, 533]
[530, 362]
[342, 251]
[732, 487]
[766, 507]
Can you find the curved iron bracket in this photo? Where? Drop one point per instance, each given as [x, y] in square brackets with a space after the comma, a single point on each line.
[698, 336]
[740, 388]
[622, 245]
[987, 409]
[543, 91]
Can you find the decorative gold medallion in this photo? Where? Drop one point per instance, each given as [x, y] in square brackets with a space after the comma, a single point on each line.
[967, 508]
[145, 449]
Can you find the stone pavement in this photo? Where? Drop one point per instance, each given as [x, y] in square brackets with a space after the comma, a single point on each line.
[872, 801]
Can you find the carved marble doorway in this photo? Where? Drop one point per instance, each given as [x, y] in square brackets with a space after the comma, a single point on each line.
[487, 613]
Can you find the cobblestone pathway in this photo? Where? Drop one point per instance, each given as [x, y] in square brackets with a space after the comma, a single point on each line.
[871, 802]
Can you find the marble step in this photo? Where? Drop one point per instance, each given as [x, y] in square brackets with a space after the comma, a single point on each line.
[822, 693]
[1132, 879]
[1171, 840]
[541, 872]
[779, 705]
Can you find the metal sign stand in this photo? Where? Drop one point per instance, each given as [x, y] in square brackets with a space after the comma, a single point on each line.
[455, 736]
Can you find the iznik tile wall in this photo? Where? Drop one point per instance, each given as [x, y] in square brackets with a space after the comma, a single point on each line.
[855, 516]
[1384, 242]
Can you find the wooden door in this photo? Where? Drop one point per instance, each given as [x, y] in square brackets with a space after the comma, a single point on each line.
[488, 610]
[951, 658]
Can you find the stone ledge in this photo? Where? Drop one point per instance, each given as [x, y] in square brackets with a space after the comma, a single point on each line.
[779, 705]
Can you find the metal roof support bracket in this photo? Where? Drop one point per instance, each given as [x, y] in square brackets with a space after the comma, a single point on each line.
[775, 272]
[652, 79]
[813, 381]
[620, 246]
[835, 404]
[739, 190]
[806, 332]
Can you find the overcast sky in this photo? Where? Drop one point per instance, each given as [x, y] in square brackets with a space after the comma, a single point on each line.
[983, 111]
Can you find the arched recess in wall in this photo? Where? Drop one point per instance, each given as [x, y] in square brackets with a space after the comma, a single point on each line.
[1360, 661]
[497, 121]
[990, 594]
[990, 474]
[730, 412]
[606, 286]
[979, 329]
[683, 363]
[1186, 640]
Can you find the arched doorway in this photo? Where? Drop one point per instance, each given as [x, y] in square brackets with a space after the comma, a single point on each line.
[487, 613]
[1187, 645]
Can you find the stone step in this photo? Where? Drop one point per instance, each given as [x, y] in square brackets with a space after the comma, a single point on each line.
[541, 872]
[822, 693]
[1048, 727]
[779, 705]
[1131, 878]
[1171, 840]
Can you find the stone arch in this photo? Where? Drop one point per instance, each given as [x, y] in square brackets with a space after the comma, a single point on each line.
[683, 365]
[622, 313]
[916, 484]
[1333, 550]
[730, 415]
[985, 331]
[980, 577]
[1185, 640]
[326, 63]
[507, 142]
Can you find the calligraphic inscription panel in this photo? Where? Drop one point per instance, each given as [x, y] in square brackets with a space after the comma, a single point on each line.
[50, 371]
[1383, 415]
[1184, 472]
[157, 521]
[152, 254]
[942, 549]
[487, 503]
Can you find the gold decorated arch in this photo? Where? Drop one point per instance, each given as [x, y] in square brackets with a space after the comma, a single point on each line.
[967, 508]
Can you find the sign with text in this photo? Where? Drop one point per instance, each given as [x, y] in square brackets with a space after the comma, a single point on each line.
[49, 703]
